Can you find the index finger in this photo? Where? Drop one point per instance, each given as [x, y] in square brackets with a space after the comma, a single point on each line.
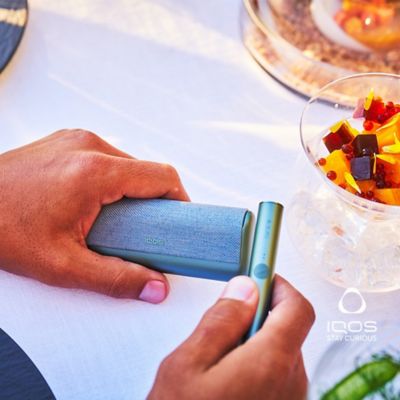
[141, 179]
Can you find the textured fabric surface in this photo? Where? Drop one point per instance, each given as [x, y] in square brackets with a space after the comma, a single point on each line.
[170, 227]
[19, 377]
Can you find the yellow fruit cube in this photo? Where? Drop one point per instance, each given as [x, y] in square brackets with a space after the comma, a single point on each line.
[338, 163]
[385, 134]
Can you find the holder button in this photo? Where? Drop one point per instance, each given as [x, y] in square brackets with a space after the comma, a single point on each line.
[261, 271]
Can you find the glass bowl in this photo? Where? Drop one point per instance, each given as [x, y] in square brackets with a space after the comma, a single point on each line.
[348, 240]
[355, 351]
[305, 44]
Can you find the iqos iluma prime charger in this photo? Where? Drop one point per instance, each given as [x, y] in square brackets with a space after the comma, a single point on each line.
[176, 237]
[192, 239]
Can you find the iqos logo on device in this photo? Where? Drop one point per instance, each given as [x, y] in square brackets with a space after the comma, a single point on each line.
[354, 329]
[154, 241]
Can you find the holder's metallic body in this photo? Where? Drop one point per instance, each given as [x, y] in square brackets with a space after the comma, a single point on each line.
[263, 255]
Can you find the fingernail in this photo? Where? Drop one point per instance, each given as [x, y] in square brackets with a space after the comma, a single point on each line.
[154, 292]
[239, 288]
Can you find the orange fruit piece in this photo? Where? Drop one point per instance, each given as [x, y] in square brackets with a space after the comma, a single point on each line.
[388, 196]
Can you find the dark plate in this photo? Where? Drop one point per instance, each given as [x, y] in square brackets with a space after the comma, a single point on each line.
[13, 19]
[19, 377]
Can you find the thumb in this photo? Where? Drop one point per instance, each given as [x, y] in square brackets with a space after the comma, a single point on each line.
[118, 278]
[223, 325]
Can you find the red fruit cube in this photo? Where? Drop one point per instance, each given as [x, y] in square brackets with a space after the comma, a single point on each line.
[335, 140]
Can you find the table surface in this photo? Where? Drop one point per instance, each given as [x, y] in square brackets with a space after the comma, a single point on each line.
[165, 80]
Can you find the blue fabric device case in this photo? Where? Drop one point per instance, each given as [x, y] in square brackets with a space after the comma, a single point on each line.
[176, 237]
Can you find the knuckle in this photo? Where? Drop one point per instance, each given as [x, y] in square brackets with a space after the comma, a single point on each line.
[87, 163]
[168, 362]
[176, 361]
[60, 271]
[85, 137]
[117, 284]
[61, 133]
[65, 264]
[279, 370]
[171, 170]
[308, 309]
[93, 160]
[173, 380]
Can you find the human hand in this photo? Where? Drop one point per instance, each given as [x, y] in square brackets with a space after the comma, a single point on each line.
[51, 192]
[209, 365]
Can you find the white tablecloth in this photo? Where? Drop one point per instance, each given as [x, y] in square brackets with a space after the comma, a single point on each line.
[167, 80]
